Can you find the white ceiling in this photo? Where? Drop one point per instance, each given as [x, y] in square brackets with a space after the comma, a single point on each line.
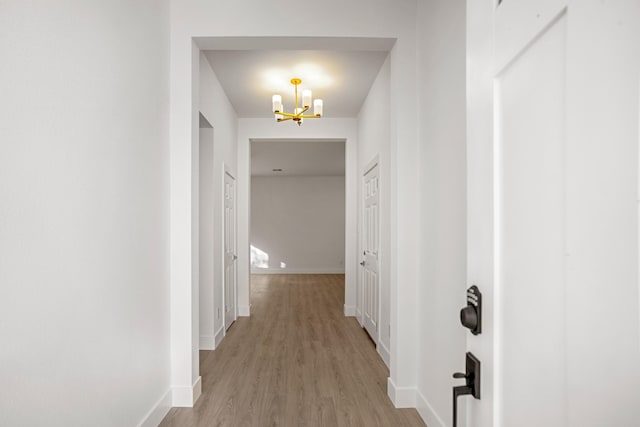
[341, 78]
[310, 157]
[338, 70]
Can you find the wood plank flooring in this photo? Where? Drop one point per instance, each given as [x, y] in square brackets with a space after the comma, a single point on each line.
[297, 361]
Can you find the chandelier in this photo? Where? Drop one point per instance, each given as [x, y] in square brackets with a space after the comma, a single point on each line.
[298, 111]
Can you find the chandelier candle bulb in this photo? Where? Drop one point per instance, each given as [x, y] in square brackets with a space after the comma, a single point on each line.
[277, 103]
[306, 98]
[317, 107]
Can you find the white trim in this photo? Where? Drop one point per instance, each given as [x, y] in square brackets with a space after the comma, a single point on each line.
[186, 397]
[384, 353]
[207, 342]
[197, 389]
[157, 413]
[349, 310]
[401, 397]
[339, 270]
[219, 336]
[359, 316]
[244, 311]
[638, 211]
[426, 411]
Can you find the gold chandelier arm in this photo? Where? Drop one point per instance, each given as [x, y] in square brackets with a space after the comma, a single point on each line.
[309, 116]
[280, 119]
[282, 113]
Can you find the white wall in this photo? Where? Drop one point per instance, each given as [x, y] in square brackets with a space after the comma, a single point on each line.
[216, 108]
[442, 124]
[358, 18]
[299, 222]
[375, 139]
[84, 244]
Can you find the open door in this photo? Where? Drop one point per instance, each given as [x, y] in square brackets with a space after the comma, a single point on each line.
[230, 255]
[370, 262]
[553, 123]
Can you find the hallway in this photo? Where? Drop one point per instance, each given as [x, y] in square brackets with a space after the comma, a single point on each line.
[297, 361]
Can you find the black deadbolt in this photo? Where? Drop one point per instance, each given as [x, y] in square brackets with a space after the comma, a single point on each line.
[471, 315]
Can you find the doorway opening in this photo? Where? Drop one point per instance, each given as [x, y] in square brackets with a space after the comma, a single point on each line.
[297, 205]
[206, 211]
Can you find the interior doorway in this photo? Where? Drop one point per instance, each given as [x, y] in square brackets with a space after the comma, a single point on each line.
[206, 207]
[297, 206]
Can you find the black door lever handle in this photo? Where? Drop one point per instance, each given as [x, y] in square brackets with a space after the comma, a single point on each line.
[472, 383]
[460, 390]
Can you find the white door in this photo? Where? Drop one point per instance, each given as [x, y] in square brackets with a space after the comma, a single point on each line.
[230, 256]
[370, 251]
[553, 124]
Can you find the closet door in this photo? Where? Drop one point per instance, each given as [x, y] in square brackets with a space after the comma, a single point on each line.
[370, 257]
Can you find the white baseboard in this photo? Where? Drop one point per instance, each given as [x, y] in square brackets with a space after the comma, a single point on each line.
[155, 416]
[219, 336]
[401, 397]
[244, 310]
[197, 390]
[429, 416]
[207, 342]
[186, 397]
[349, 310]
[384, 353]
[297, 270]
[359, 316]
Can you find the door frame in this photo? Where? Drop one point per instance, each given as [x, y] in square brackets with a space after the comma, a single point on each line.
[404, 149]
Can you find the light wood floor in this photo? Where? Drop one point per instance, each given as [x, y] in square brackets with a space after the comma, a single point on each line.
[297, 361]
